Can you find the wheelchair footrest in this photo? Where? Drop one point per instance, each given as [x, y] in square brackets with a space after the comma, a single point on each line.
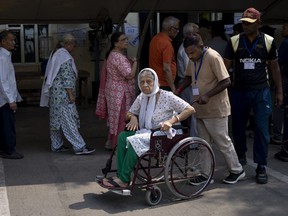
[99, 178]
[120, 191]
[123, 192]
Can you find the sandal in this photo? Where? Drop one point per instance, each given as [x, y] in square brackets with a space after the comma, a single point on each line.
[113, 183]
[108, 146]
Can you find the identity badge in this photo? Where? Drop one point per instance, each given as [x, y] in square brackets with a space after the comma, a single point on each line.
[249, 66]
[195, 91]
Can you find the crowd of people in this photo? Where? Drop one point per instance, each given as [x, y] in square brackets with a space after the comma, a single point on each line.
[199, 72]
[206, 64]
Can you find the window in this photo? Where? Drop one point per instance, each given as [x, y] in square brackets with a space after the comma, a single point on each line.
[28, 42]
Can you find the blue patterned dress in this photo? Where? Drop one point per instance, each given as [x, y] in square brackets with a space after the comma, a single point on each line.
[64, 115]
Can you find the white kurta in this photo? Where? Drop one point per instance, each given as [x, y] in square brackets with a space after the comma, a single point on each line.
[8, 87]
[166, 106]
[53, 66]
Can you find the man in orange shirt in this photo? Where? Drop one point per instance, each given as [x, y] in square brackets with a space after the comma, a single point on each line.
[161, 53]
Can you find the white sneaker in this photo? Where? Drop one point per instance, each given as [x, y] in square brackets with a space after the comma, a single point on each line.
[85, 151]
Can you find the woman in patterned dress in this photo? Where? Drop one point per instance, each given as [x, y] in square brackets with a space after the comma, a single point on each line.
[59, 93]
[154, 108]
[117, 88]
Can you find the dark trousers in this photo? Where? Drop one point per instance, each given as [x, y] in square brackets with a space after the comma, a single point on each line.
[7, 129]
[285, 105]
[242, 101]
[285, 131]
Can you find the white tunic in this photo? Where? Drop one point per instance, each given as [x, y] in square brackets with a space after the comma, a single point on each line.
[166, 106]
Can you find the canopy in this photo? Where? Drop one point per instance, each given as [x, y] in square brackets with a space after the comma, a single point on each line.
[85, 11]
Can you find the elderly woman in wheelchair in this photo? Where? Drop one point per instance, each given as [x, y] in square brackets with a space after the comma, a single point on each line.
[153, 108]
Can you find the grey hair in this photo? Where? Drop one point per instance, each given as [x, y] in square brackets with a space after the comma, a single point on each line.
[4, 34]
[67, 39]
[190, 28]
[147, 72]
[169, 22]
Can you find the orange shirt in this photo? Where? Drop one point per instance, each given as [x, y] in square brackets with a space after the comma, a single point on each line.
[160, 51]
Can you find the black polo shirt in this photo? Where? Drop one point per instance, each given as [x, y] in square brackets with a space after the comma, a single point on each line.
[251, 61]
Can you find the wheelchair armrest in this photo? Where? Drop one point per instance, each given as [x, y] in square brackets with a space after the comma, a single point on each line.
[160, 143]
[177, 127]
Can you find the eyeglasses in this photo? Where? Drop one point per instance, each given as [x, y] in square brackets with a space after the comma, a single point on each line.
[177, 29]
[123, 39]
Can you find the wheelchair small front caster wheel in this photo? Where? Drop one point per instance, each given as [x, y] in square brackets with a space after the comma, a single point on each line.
[153, 196]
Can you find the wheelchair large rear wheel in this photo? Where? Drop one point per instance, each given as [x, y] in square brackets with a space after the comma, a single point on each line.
[188, 160]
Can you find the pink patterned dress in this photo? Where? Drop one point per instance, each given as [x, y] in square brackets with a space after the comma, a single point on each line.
[119, 93]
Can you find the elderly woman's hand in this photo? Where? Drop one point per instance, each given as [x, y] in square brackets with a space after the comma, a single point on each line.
[166, 125]
[72, 99]
[132, 125]
[133, 60]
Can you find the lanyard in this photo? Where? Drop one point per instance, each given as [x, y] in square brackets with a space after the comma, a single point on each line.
[253, 47]
[200, 65]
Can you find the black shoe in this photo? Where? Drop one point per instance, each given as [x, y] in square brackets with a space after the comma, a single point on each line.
[14, 155]
[85, 151]
[198, 180]
[234, 178]
[274, 141]
[280, 156]
[61, 149]
[261, 175]
[243, 161]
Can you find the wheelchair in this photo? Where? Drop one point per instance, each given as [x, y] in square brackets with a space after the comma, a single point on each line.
[174, 162]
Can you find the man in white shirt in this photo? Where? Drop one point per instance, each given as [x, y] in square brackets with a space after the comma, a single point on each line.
[182, 58]
[182, 62]
[8, 97]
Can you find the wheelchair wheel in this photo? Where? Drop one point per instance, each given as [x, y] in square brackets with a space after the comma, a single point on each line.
[185, 163]
[153, 196]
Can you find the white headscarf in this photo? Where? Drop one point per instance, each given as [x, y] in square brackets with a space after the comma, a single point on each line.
[52, 69]
[147, 108]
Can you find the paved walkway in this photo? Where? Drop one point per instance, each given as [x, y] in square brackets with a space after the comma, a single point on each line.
[46, 183]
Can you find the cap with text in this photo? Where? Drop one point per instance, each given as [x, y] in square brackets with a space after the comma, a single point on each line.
[251, 15]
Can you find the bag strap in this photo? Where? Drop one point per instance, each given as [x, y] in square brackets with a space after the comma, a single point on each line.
[235, 42]
[267, 38]
[268, 42]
